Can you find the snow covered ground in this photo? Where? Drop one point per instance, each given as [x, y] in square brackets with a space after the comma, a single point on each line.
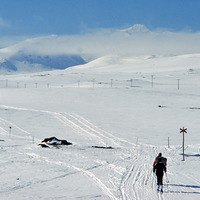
[131, 104]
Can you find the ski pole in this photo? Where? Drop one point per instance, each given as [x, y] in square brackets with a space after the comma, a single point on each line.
[167, 180]
[154, 177]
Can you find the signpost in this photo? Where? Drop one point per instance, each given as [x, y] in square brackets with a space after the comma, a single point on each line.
[183, 130]
[10, 130]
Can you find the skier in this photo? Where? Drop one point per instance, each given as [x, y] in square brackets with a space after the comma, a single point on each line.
[163, 159]
[159, 169]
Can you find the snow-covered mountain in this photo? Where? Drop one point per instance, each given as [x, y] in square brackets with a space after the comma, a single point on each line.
[22, 61]
[6, 65]
[60, 52]
[137, 28]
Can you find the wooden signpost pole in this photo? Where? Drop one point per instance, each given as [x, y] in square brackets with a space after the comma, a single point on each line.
[183, 130]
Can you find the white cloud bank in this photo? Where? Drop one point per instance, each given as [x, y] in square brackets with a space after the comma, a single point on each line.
[113, 42]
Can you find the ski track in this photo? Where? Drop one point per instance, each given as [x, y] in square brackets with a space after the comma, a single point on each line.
[84, 130]
[136, 181]
[79, 124]
[78, 128]
[135, 177]
[116, 141]
[14, 125]
[86, 172]
[139, 181]
[85, 127]
[91, 128]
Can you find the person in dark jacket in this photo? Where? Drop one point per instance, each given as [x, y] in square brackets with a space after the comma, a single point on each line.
[164, 160]
[159, 169]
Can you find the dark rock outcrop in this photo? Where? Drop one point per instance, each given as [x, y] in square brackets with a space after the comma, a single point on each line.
[53, 141]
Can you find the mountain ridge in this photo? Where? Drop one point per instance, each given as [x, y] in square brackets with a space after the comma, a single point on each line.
[22, 61]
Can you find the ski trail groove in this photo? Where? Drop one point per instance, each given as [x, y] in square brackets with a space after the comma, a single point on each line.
[139, 181]
[77, 127]
[14, 125]
[99, 131]
[88, 173]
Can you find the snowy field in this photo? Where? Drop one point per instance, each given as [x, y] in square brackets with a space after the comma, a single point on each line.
[135, 105]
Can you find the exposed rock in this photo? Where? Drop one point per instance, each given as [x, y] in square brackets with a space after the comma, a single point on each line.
[43, 145]
[53, 141]
[102, 147]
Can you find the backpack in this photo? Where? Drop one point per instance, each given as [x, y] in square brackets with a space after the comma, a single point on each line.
[164, 161]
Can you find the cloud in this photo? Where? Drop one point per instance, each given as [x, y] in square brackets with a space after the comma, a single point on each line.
[114, 42]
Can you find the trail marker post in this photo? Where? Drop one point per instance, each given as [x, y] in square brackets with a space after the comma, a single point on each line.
[10, 130]
[168, 143]
[183, 130]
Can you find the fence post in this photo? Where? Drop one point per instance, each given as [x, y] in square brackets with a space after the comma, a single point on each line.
[10, 130]
[168, 143]
[93, 80]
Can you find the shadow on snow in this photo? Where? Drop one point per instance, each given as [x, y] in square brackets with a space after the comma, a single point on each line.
[181, 185]
[195, 155]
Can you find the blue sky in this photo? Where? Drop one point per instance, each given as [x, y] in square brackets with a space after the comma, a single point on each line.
[63, 17]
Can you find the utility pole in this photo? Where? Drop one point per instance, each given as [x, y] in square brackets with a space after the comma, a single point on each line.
[78, 84]
[152, 77]
[131, 82]
[178, 83]
[93, 80]
[111, 83]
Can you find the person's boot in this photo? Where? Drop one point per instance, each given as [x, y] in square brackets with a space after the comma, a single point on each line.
[161, 189]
